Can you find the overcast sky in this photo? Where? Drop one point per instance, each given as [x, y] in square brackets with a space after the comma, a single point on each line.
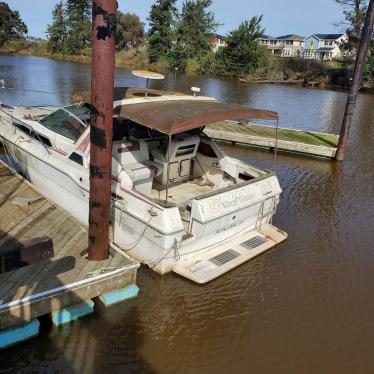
[280, 16]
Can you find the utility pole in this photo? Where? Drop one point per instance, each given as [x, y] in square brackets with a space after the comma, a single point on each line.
[357, 78]
[102, 88]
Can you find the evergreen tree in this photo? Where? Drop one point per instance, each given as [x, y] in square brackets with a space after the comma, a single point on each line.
[11, 24]
[57, 30]
[161, 24]
[129, 31]
[195, 29]
[242, 54]
[78, 24]
[355, 12]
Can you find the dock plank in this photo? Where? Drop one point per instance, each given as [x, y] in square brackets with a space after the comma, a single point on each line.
[301, 141]
[62, 281]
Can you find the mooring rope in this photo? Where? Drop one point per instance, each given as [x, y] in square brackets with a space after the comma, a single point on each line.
[276, 148]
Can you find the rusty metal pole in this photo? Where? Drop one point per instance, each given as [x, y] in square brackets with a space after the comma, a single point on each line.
[357, 78]
[102, 87]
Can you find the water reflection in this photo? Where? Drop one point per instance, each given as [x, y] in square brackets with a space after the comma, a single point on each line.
[304, 307]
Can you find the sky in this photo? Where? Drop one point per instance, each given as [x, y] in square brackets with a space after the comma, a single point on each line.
[280, 17]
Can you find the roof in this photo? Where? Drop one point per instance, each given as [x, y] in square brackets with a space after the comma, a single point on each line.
[218, 36]
[291, 37]
[175, 116]
[328, 36]
[263, 36]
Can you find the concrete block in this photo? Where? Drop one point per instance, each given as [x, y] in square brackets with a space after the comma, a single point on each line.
[71, 313]
[18, 334]
[118, 296]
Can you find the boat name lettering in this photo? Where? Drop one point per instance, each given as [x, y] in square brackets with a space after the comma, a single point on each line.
[228, 227]
[237, 198]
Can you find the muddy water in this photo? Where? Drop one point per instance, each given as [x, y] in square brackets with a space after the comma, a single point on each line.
[306, 306]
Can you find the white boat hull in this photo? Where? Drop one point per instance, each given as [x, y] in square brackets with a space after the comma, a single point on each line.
[149, 232]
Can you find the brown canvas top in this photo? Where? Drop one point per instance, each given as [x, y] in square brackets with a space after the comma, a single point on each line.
[172, 117]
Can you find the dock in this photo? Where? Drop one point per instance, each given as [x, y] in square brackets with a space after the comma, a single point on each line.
[58, 280]
[289, 140]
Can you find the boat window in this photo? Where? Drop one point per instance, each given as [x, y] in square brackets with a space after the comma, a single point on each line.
[42, 139]
[185, 150]
[76, 158]
[24, 129]
[70, 121]
[36, 136]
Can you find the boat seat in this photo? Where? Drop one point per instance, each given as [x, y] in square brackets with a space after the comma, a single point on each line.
[139, 175]
[142, 170]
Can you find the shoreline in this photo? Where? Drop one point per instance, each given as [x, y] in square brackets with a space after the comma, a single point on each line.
[122, 61]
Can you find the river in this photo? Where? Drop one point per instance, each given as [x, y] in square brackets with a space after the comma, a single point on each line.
[306, 306]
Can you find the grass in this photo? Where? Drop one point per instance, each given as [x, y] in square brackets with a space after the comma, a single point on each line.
[135, 58]
[305, 137]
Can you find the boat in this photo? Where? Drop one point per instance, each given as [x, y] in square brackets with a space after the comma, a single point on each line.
[179, 203]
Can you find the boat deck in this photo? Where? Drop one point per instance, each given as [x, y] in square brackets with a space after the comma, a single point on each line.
[67, 277]
[182, 193]
[306, 142]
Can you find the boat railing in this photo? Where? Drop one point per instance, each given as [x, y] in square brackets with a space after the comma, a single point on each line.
[13, 121]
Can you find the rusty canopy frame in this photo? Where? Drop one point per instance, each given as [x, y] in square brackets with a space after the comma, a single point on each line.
[176, 116]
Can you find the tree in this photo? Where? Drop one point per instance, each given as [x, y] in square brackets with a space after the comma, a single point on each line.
[161, 28]
[11, 24]
[242, 54]
[130, 31]
[78, 25]
[355, 12]
[56, 32]
[195, 28]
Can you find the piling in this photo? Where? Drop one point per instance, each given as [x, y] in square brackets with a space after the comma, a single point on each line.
[102, 92]
[356, 82]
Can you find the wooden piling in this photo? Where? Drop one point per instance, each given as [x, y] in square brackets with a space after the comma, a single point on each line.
[102, 93]
[356, 82]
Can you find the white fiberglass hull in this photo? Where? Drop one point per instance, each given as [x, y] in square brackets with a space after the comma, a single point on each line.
[150, 232]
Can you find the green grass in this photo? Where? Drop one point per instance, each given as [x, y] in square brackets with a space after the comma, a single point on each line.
[305, 137]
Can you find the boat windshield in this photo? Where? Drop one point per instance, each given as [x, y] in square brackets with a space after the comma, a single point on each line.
[70, 121]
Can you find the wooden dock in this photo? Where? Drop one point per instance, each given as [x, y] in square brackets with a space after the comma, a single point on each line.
[304, 142]
[67, 279]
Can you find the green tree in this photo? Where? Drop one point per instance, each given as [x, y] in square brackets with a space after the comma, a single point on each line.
[11, 24]
[354, 13]
[130, 31]
[242, 54]
[161, 28]
[78, 25]
[56, 32]
[195, 28]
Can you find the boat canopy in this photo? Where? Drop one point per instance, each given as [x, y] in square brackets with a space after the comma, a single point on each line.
[173, 117]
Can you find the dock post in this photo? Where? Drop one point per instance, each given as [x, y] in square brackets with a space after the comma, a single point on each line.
[357, 77]
[102, 92]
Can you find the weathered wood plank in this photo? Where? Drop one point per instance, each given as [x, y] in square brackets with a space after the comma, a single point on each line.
[308, 142]
[65, 279]
[25, 311]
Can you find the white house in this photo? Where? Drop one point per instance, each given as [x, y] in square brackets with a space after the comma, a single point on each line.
[322, 46]
[283, 46]
[218, 41]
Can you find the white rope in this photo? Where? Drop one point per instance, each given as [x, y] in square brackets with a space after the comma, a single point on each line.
[276, 147]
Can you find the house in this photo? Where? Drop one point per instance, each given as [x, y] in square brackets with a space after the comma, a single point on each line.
[323, 46]
[283, 46]
[218, 41]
